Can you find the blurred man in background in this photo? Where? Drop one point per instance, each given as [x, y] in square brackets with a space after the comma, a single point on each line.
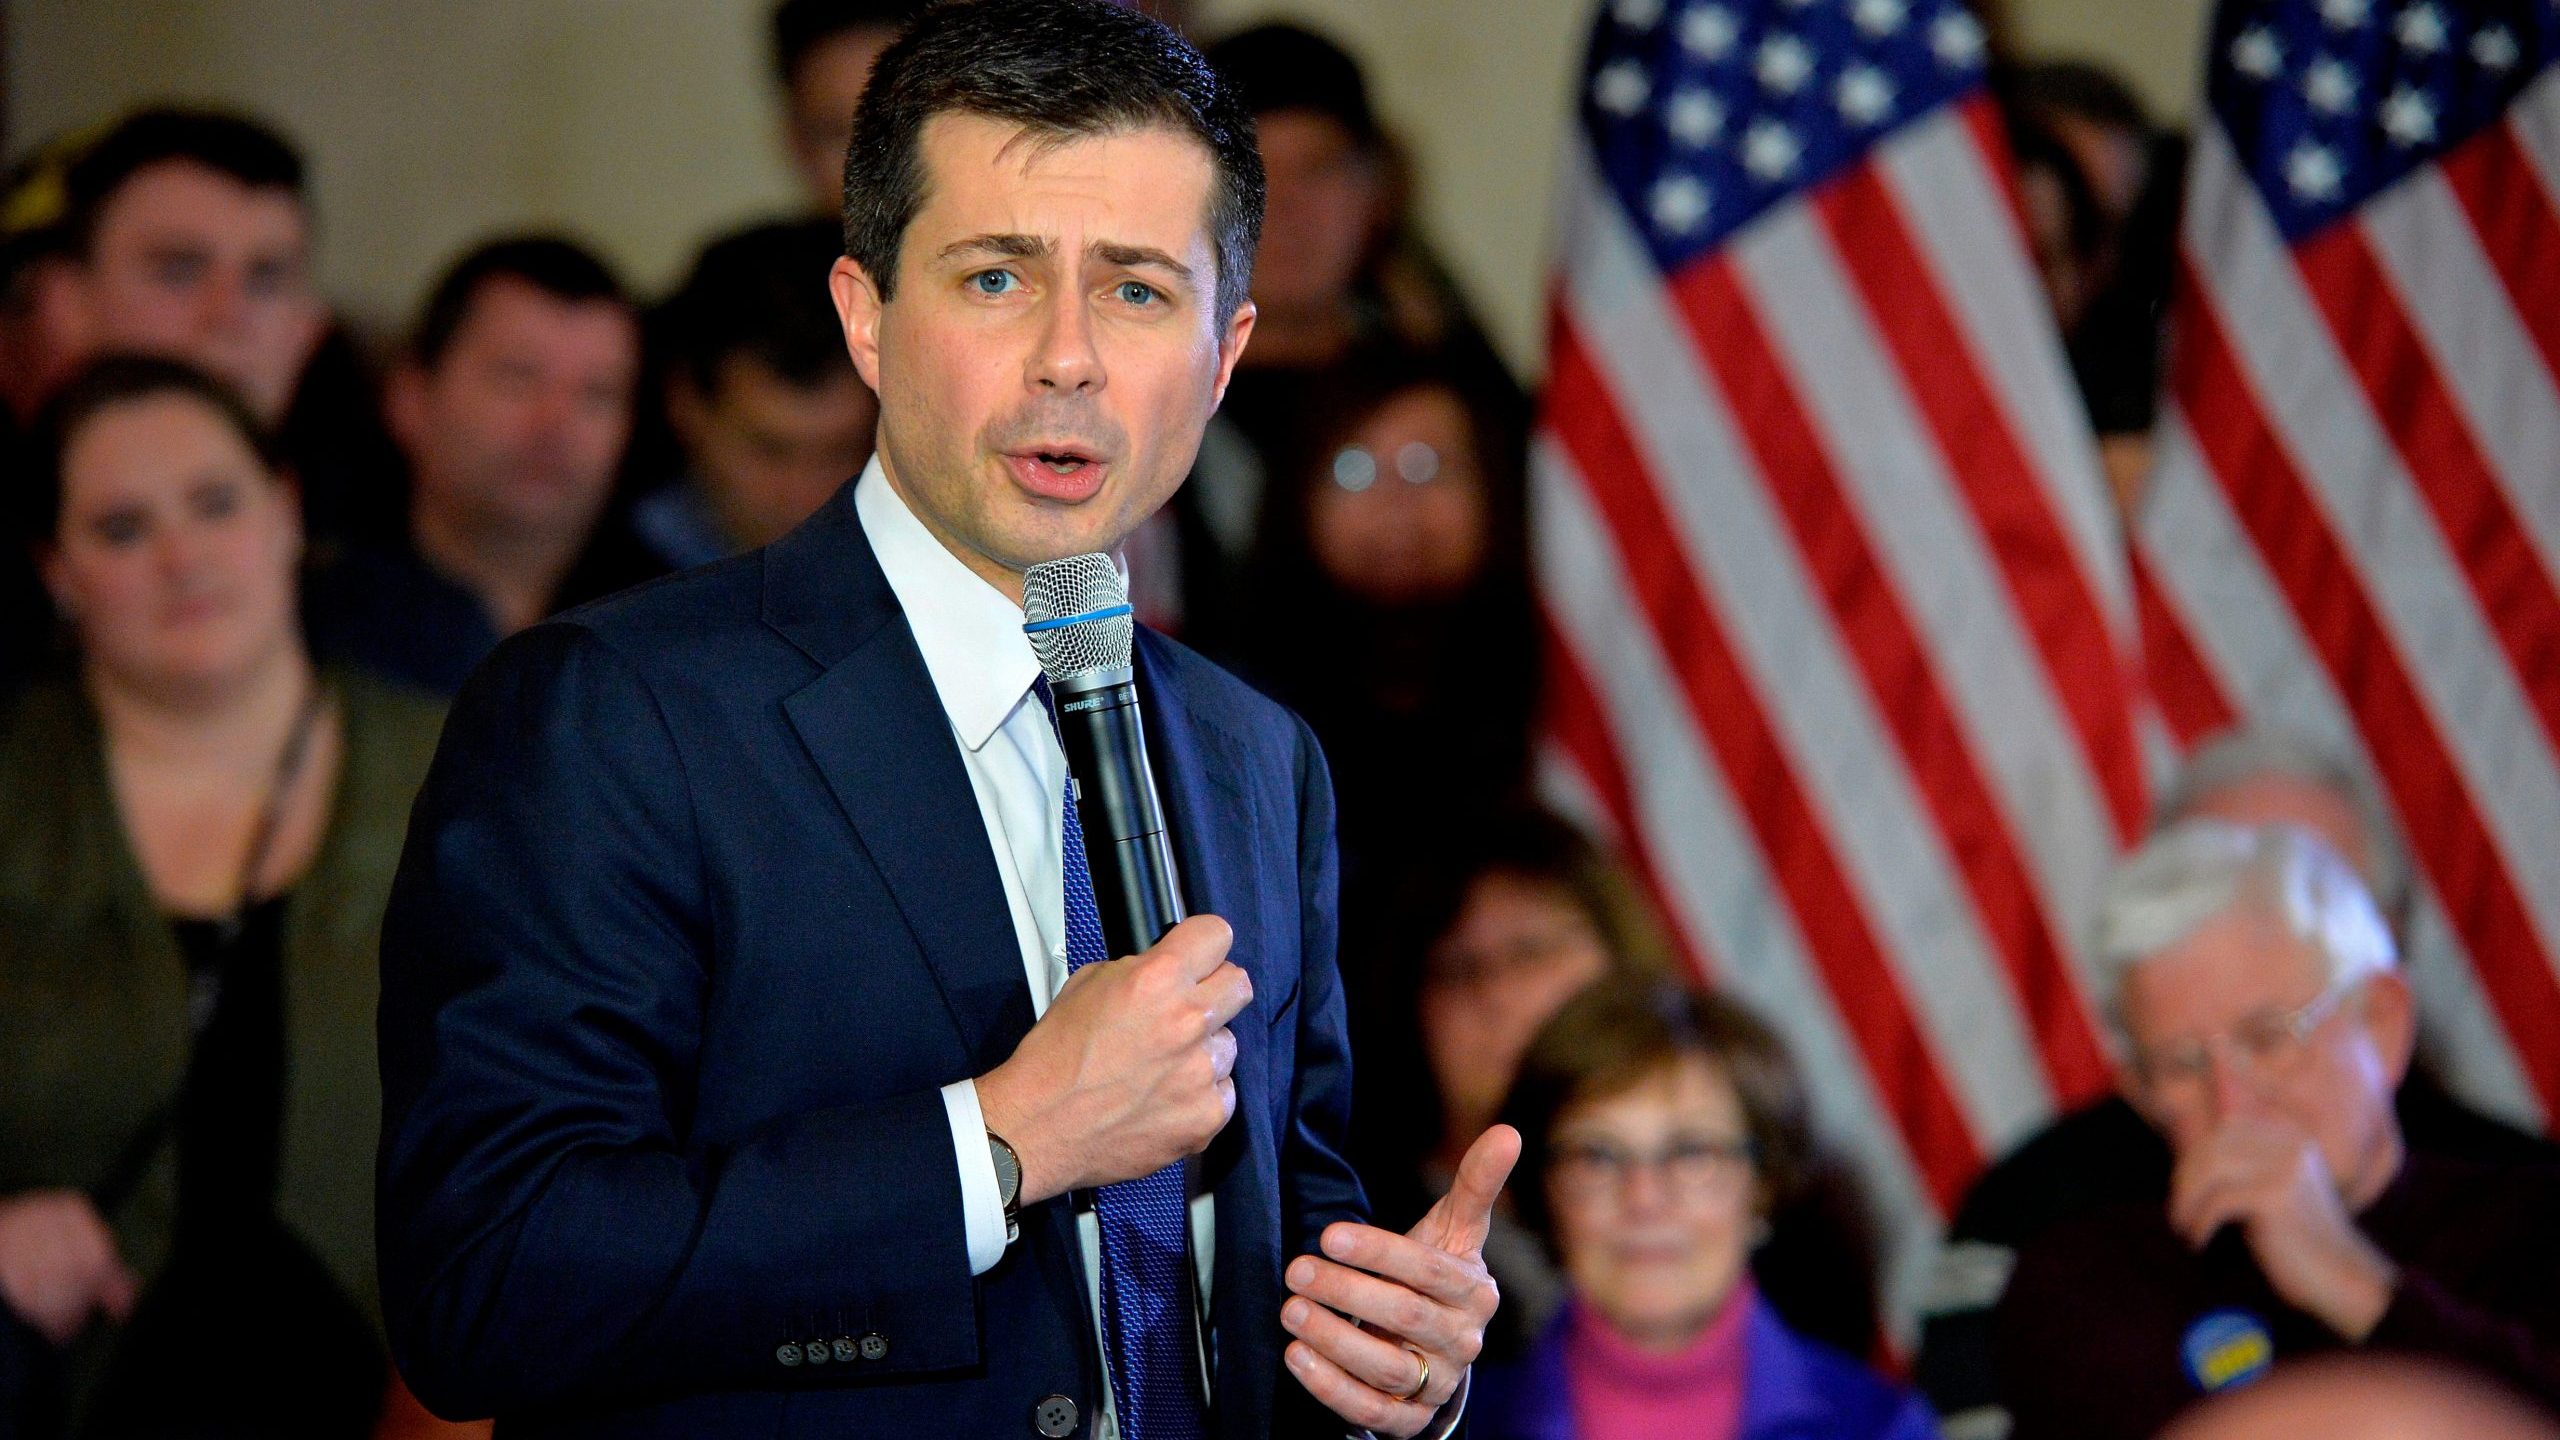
[512, 405]
[763, 399]
[2266, 1029]
[822, 54]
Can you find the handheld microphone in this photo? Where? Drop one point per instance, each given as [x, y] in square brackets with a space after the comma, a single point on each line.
[1076, 611]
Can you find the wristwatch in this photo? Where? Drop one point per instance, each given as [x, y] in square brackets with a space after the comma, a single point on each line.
[1008, 1184]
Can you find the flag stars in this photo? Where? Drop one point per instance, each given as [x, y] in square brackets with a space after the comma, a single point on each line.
[1770, 151]
[1957, 40]
[1680, 205]
[1709, 32]
[2346, 14]
[1621, 88]
[1864, 95]
[2330, 86]
[1784, 64]
[2257, 53]
[2494, 48]
[1695, 118]
[2407, 118]
[1637, 14]
[2420, 29]
[2313, 172]
[1880, 18]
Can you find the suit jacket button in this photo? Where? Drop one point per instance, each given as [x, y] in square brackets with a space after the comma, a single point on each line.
[1055, 1417]
[815, 1352]
[874, 1345]
[843, 1348]
[788, 1352]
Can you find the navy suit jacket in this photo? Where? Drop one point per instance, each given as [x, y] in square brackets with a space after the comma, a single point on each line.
[697, 914]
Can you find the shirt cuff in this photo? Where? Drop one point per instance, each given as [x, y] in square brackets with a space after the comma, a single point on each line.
[981, 1205]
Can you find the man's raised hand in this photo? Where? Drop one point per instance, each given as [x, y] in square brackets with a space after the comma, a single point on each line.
[1417, 1303]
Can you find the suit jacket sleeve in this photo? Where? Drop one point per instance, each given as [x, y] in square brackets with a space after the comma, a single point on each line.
[1321, 1187]
[548, 1230]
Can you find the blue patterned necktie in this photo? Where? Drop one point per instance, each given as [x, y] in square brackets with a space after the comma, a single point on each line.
[1146, 1232]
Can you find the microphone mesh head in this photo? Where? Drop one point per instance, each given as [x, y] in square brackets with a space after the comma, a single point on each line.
[1077, 585]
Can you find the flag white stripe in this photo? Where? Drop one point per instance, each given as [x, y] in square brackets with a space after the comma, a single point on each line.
[1945, 187]
[1709, 862]
[2344, 457]
[1746, 564]
[2534, 119]
[2210, 571]
[2490, 365]
[1930, 547]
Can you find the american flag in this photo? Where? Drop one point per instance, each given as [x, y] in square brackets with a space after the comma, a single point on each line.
[2355, 522]
[1841, 636]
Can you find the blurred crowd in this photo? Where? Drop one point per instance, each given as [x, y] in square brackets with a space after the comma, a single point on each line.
[259, 548]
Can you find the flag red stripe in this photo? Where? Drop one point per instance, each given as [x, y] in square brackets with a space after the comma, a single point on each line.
[1583, 415]
[2191, 699]
[1580, 723]
[2009, 505]
[2327, 594]
[2500, 189]
[1895, 667]
[2443, 458]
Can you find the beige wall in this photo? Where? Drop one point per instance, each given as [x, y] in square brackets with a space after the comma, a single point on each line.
[645, 124]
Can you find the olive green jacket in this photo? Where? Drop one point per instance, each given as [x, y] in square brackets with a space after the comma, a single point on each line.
[93, 988]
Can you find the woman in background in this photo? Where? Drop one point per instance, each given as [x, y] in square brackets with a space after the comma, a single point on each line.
[1661, 1128]
[201, 834]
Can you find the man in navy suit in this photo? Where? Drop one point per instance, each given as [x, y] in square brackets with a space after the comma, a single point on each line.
[735, 1082]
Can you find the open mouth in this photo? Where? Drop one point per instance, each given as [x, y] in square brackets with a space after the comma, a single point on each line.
[1057, 472]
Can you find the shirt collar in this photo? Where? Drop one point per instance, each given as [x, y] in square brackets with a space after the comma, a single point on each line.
[970, 632]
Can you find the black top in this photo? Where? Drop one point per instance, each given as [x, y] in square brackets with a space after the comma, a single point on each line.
[2089, 1340]
[230, 1120]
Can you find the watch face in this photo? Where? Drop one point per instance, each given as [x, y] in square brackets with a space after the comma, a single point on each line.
[1008, 1169]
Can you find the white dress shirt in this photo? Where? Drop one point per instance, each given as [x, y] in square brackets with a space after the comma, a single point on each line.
[983, 668]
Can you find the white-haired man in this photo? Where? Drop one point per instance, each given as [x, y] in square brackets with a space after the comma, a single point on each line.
[2266, 1028]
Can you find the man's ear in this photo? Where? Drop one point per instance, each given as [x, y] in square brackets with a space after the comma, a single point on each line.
[2391, 1018]
[1231, 348]
[858, 307]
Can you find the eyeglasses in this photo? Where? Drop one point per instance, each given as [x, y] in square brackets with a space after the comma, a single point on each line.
[2262, 1045]
[1691, 1168]
[1477, 967]
[1355, 469]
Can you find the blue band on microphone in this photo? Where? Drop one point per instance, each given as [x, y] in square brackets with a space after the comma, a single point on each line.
[1060, 622]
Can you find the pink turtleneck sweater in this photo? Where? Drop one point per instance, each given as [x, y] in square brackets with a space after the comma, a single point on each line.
[1623, 1393]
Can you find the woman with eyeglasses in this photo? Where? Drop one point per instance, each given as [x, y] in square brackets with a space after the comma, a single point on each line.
[201, 827]
[1661, 1127]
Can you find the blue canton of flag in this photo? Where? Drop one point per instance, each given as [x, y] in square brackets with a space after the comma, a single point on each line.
[1705, 114]
[2330, 103]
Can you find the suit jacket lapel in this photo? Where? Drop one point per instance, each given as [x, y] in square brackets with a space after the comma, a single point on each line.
[876, 730]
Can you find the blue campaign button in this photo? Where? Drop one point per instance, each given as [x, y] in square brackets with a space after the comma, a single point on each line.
[2227, 1348]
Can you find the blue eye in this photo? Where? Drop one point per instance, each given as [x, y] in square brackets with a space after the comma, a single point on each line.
[993, 282]
[1136, 292]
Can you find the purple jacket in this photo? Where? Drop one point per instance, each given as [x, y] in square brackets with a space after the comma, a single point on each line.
[1792, 1389]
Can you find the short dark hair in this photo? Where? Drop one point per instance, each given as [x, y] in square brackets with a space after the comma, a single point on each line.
[558, 267]
[1619, 1033]
[761, 293]
[800, 26]
[1061, 69]
[101, 385]
[1279, 66]
[227, 144]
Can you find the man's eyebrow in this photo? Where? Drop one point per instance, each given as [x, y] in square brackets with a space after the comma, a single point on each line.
[1009, 246]
[1111, 252]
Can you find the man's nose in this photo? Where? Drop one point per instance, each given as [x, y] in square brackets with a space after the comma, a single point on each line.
[1066, 359]
[2228, 1080]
